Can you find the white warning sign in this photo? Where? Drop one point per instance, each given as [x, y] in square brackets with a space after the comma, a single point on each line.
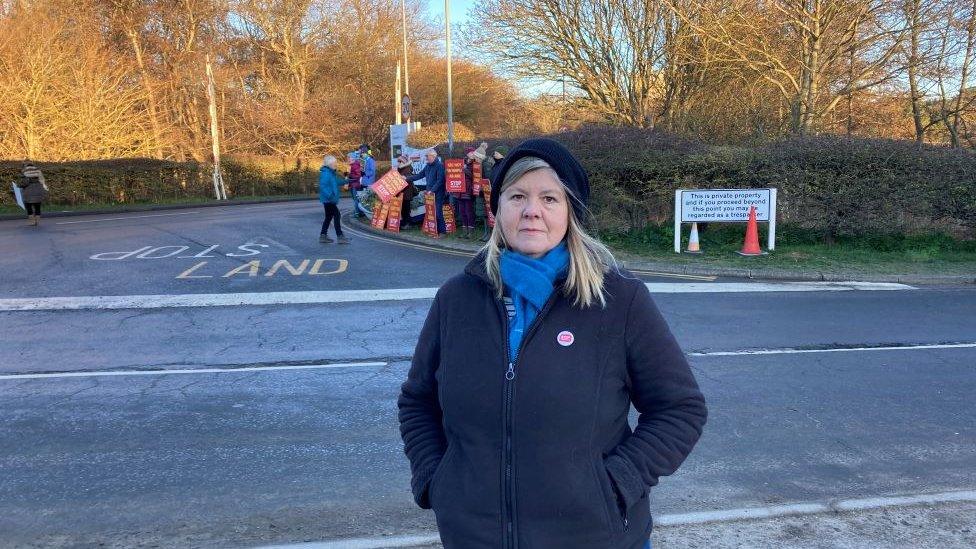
[724, 205]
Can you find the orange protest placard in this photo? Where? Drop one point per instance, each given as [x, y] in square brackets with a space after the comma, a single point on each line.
[430, 215]
[449, 225]
[379, 215]
[393, 219]
[389, 185]
[454, 168]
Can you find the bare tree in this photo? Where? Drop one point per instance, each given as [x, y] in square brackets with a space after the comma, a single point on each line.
[610, 50]
[800, 47]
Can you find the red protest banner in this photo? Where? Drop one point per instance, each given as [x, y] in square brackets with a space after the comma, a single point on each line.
[476, 170]
[430, 215]
[389, 185]
[454, 168]
[379, 215]
[449, 224]
[393, 219]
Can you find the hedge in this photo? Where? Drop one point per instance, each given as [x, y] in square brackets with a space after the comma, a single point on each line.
[143, 180]
[832, 186]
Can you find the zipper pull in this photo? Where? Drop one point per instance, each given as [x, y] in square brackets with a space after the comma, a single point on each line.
[510, 374]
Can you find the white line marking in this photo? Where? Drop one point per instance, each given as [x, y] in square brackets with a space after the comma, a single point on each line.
[212, 300]
[361, 296]
[192, 371]
[679, 519]
[748, 287]
[842, 350]
[118, 218]
[748, 513]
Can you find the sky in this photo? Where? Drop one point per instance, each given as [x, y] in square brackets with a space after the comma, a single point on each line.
[459, 15]
[459, 9]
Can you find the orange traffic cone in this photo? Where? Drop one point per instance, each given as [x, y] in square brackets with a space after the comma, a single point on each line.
[751, 244]
[693, 247]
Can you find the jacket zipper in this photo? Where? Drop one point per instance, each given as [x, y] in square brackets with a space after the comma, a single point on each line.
[508, 498]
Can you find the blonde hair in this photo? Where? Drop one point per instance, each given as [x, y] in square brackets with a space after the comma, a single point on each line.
[589, 259]
[330, 161]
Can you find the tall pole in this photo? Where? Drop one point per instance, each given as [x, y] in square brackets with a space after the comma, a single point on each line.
[450, 92]
[406, 65]
[218, 180]
[396, 96]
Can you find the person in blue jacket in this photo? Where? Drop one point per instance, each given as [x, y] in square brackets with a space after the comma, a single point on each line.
[369, 166]
[436, 178]
[329, 184]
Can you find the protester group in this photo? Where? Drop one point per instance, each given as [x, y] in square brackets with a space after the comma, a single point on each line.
[453, 202]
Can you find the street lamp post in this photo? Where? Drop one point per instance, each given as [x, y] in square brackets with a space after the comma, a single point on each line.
[450, 96]
[406, 65]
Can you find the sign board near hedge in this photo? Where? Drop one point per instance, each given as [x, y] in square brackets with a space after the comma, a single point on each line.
[723, 206]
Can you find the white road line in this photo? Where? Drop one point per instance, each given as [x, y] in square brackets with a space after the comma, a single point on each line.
[212, 300]
[841, 350]
[680, 519]
[118, 218]
[193, 371]
[749, 287]
[363, 296]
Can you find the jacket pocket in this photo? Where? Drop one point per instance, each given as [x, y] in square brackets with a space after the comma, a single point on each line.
[616, 517]
[439, 473]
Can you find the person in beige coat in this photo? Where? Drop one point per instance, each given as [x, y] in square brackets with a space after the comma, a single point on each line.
[34, 190]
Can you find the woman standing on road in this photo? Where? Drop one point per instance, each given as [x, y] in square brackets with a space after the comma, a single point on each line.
[514, 413]
[34, 191]
[329, 183]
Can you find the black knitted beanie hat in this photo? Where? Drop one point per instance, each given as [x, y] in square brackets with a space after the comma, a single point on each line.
[568, 169]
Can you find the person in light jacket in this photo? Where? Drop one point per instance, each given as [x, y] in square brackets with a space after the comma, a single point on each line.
[33, 190]
[514, 412]
[329, 184]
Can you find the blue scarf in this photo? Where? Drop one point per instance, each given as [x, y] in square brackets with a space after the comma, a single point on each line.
[530, 283]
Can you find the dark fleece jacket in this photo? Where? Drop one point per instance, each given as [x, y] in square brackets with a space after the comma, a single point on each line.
[538, 453]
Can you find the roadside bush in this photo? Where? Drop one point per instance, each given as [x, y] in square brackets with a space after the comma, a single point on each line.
[829, 188]
[142, 180]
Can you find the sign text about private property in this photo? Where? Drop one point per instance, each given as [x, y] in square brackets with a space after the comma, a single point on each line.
[724, 205]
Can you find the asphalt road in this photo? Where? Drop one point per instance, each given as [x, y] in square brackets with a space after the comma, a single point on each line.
[844, 404]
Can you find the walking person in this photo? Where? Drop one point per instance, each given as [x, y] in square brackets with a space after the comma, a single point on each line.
[34, 190]
[355, 182]
[329, 184]
[514, 411]
[433, 173]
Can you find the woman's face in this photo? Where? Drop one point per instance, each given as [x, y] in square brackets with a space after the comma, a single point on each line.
[534, 213]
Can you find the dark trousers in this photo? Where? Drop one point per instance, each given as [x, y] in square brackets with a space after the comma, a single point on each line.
[33, 208]
[331, 213]
[466, 209]
[439, 201]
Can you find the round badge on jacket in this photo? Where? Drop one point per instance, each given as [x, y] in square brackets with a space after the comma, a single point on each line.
[565, 338]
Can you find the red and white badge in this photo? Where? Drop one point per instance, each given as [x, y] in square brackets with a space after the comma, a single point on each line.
[565, 338]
